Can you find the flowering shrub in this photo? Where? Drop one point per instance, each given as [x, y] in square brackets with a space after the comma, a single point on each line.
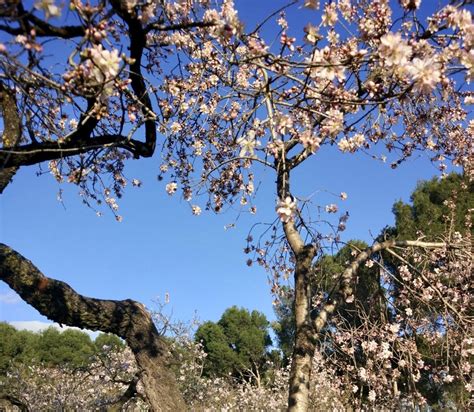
[97, 385]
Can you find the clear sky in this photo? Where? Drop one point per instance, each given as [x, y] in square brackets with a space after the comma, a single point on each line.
[160, 247]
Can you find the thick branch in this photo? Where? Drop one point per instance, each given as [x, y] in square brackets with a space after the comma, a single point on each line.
[126, 318]
[44, 29]
[138, 41]
[60, 303]
[30, 154]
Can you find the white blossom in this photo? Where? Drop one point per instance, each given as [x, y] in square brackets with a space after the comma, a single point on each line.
[171, 188]
[286, 209]
[393, 50]
[49, 8]
[426, 74]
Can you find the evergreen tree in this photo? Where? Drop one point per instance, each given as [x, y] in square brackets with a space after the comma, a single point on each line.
[237, 344]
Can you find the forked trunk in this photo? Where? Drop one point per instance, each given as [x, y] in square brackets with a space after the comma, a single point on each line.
[128, 319]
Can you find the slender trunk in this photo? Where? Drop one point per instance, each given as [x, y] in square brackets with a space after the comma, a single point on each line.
[301, 365]
[128, 319]
[300, 374]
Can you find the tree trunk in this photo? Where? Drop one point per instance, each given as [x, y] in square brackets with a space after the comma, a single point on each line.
[128, 319]
[303, 352]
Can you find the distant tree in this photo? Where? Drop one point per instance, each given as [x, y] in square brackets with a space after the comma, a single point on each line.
[108, 340]
[15, 346]
[284, 325]
[237, 344]
[52, 347]
[66, 348]
[438, 207]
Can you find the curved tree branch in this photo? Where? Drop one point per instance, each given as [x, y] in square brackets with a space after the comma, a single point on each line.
[126, 318]
[31, 154]
[137, 36]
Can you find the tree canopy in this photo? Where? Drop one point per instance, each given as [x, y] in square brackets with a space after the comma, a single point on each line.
[438, 206]
[237, 344]
[51, 347]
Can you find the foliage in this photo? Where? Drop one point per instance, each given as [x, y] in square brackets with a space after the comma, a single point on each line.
[284, 326]
[236, 344]
[51, 347]
[438, 207]
[15, 346]
[108, 340]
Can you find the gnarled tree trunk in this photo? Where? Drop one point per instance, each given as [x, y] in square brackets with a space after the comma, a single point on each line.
[126, 318]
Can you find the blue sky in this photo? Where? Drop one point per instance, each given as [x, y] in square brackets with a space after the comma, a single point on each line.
[160, 247]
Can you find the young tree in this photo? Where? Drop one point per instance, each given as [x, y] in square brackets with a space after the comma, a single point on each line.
[367, 76]
[389, 297]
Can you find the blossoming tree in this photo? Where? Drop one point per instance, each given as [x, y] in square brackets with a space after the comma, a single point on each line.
[357, 76]
[366, 77]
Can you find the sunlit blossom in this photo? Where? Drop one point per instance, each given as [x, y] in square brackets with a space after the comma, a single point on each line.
[196, 210]
[49, 8]
[426, 74]
[393, 50]
[286, 209]
[248, 145]
[171, 188]
[332, 208]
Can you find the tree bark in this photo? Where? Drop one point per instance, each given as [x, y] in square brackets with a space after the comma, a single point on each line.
[303, 352]
[128, 319]
[11, 133]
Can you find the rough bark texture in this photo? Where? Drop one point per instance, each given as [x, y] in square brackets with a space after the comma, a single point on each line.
[11, 133]
[303, 352]
[128, 319]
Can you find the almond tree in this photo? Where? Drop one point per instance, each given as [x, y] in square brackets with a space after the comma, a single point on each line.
[360, 76]
[365, 78]
[82, 111]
